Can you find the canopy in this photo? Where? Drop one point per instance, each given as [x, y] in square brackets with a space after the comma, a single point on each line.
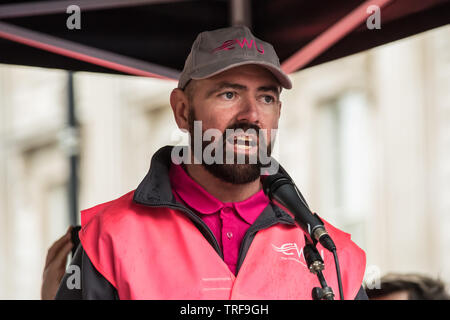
[153, 37]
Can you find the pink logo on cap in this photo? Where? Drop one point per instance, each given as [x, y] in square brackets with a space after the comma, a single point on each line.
[229, 45]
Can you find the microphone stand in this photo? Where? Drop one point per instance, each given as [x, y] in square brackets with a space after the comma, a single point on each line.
[316, 265]
[278, 187]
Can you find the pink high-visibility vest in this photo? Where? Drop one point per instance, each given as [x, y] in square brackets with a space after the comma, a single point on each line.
[158, 253]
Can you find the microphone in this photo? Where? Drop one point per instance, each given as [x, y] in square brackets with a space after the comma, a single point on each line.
[281, 188]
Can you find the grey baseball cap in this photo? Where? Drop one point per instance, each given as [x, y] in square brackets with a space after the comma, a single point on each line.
[216, 51]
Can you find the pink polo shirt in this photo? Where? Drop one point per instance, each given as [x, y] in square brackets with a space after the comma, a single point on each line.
[227, 220]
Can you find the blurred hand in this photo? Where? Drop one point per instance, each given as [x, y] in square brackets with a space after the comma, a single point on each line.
[55, 266]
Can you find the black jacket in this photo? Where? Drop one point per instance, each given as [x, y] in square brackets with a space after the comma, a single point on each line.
[155, 191]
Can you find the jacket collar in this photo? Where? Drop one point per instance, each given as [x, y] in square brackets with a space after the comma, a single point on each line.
[156, 190]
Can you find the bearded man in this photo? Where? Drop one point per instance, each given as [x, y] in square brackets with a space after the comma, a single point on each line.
[202, 227]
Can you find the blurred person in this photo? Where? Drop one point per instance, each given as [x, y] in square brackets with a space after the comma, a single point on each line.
[55, 265]
[205, 230]
[409, 287]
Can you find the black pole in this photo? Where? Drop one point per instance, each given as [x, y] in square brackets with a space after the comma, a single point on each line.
[316, 265]
[72, 147]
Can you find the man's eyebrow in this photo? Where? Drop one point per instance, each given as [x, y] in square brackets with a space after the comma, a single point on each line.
[273, 89]
[225, 85]
[228, 85]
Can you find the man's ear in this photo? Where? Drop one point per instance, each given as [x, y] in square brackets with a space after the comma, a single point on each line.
[180, 108]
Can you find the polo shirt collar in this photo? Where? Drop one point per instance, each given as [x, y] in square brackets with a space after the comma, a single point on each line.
[203, 202]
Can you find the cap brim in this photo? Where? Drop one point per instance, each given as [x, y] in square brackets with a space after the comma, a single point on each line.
[216, 68]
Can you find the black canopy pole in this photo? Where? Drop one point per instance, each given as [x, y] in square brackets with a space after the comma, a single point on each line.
[241, 13]
[73, 151]
[85, 53]
[37, 8]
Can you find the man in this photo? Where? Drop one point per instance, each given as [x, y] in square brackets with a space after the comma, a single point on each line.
[199, 225]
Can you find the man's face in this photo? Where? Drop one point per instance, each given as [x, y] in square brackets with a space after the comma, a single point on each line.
[245, 97]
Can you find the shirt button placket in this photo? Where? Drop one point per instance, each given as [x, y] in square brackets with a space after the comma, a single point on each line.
[227, 211]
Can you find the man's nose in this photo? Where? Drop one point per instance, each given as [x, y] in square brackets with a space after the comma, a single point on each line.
[249, 111]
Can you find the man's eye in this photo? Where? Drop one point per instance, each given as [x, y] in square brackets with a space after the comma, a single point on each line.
[228, 95]
[269, 99]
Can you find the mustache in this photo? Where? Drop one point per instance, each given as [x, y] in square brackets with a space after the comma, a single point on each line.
[247, 128]
[243, 126]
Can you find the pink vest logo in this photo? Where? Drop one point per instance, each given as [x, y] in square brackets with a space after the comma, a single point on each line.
[229, 45]
[292, 252]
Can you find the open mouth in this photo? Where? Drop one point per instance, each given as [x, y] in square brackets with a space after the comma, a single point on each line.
[243, 141]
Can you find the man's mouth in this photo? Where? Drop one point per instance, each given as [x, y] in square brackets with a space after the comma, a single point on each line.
[243, 141]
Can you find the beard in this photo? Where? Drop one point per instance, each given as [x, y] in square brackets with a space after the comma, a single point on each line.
[236, 172]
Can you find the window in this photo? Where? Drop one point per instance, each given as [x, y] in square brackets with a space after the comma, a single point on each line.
[342, 148]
